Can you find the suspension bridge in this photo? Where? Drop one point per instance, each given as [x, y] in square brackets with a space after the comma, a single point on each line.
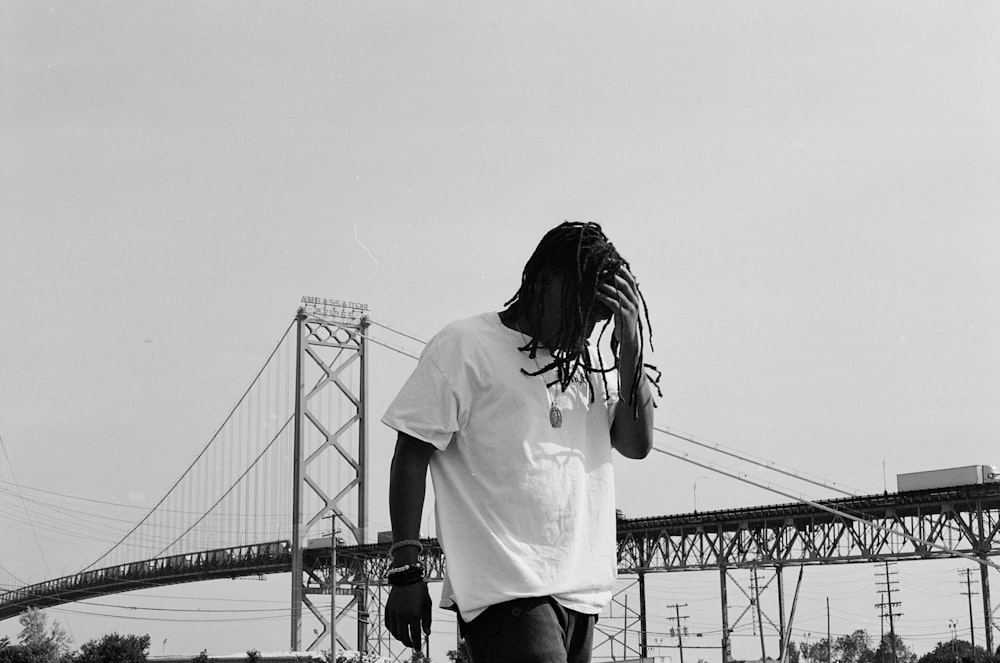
[289, 466]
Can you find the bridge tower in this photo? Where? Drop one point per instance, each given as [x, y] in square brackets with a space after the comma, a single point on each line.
[329, 464]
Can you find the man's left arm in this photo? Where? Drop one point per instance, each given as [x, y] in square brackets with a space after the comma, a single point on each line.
[631, 431]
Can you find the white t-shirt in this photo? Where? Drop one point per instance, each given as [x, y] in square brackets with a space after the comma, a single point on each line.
[523, 508]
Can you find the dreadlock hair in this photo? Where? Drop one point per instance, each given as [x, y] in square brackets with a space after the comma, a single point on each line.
[584, 256]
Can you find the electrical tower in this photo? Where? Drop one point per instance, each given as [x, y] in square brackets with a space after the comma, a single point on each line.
[887, 607]
[329, 462]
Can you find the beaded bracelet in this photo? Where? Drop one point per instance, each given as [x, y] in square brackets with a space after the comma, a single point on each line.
[405, 543]
[405, 575]
[403, 569]
[399, 582]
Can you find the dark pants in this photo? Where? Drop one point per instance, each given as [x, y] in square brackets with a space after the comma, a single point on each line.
[531, 630]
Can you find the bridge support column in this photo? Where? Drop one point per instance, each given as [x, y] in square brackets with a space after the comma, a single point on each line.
[298, 589]
[643, 641]
[361, 596]
[330, 455]
[984, 576]
[726, 650]
[377, 639]
[984, 571]
[778, 570]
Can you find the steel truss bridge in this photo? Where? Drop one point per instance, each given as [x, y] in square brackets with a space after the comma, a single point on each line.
[297, 443]
[965, 520]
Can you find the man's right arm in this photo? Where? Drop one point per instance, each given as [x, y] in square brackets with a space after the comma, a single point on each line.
[408, 608]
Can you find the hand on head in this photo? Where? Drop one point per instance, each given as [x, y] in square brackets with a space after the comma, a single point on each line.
[620, 296]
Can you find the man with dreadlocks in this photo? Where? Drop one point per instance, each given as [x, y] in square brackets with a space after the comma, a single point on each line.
[516, 414]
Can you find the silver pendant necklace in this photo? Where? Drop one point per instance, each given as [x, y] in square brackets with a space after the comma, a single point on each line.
[555, 414]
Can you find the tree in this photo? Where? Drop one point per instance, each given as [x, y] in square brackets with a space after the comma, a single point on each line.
[815, 651]
[11, 653]
[45, 644]
[884, 652]
[853, 648]
[15, 654]
[115, 648]
[793, 653]
[460, 654]
[953, 651]
[352, 656]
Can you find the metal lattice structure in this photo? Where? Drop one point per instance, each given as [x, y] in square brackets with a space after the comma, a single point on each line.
[930, 524]
[964, 519]
[330, 467]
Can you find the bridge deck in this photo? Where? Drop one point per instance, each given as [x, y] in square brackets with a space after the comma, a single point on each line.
[965, 519]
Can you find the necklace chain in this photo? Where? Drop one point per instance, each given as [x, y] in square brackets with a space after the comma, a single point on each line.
[555, 414]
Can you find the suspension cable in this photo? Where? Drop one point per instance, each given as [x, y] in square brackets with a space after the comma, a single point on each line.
[384, 345]
[828, 509]
[201, 453]
[396, 331]
[771, 465]
[232, 487]
[355, 330]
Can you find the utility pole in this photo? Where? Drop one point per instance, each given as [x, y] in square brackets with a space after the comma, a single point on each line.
[969, 593]
[679, 630]
[953, 629]
[782, 643]
[643, 644]
[760, 618]
[333, 586]
[888, 607]
[829, 644]
[723, 595]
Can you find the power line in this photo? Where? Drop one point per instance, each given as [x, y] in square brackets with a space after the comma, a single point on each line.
[165, 619]
[81, 499]
[38, 543]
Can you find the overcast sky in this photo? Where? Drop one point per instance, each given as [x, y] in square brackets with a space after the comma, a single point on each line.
[807, 193]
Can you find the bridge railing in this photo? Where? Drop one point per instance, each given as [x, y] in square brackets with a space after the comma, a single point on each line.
[189, 567]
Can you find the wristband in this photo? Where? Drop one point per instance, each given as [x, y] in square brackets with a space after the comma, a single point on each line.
[406, 581]
[405, 575]
[406, 543]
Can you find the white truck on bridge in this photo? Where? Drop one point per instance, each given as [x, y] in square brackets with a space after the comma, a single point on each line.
[953, 476]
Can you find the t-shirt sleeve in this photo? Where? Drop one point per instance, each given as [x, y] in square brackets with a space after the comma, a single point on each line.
[613, 397]
[427, 407]
[608, 388]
